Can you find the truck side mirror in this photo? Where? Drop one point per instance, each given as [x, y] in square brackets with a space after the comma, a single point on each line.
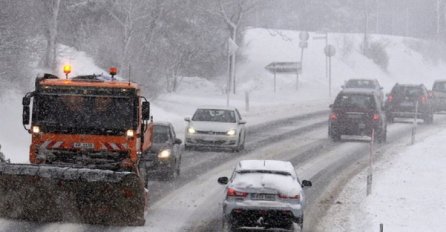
[25, 115]
[146, 110]
[26, 101]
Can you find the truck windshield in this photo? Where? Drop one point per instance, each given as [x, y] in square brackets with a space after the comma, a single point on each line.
[80, 113]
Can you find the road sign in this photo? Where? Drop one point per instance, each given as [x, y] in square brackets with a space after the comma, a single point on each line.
[284, 67]
[330, 50]
[304, 35]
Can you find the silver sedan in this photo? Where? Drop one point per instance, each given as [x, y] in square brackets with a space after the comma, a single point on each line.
[263, 193]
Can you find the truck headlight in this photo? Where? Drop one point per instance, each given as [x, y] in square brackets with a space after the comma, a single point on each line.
[36, 129]
[164, 154]
[191, 130]
[130, 133]
[231, 132]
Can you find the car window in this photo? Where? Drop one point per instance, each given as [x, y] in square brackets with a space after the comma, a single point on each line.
[360, 101]
[282, 173]
[239, 115]
[368, 84]
[161, 134]
[214, 115]
[439, 86]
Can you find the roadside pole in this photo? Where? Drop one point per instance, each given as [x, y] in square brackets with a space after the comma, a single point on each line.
[370, 169]
[329, 51]
[414, 125]
[246, 101]
[303, 36]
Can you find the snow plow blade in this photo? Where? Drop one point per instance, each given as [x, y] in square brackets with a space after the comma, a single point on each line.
[48, 194]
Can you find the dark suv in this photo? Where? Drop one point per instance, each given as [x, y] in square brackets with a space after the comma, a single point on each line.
[439, 95]
[402, 102]
[372, 84]
[357, 112]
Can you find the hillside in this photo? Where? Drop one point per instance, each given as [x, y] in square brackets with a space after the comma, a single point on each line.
[261, 47]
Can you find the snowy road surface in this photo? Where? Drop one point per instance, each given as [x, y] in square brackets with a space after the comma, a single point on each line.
[191, 203]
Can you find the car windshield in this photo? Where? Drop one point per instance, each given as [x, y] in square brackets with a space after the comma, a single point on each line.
[360, 101]
[409, 91]
[367, 84]
[160, 134]
[214, 115]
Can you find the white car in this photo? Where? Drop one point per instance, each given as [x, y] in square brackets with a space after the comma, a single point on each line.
[215, 126]
[263, 193]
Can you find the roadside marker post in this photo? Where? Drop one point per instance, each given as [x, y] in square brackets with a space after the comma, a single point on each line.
[369, 171]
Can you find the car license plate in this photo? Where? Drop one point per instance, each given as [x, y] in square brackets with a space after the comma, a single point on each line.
[262, 197]
[407, 104]
[84, 145]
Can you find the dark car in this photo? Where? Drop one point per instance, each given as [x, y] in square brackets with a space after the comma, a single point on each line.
[357, 112]
[372, 84]
[164, 158]
[439, 95]
[405, 100]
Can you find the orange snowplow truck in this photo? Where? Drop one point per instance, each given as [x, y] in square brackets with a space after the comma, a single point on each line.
[88, 133]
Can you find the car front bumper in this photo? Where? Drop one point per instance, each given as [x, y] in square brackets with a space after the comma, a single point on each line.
[204, 140]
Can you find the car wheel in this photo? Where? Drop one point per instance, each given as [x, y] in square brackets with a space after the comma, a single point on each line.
[226, 226]
[335, 137]
[172, 173]
[381, 137]
[428, 119]
[390, 119]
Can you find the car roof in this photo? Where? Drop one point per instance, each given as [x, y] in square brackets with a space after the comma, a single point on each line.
[358, 91]
[270, 165]
[409, 85]
[216, 107]
[161, 123]
[361, 79]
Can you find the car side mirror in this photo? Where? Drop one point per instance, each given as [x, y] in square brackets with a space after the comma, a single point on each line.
[187, 119]
[178, 141]
[306, 183]
[223, 180]
[242, 122]
[26, 101]
[146, 110]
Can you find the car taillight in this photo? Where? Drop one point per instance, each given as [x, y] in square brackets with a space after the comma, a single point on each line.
[389, 98]
[295, 197]
[423, 99]
[333, 116]
[375, 117]
[232, 193]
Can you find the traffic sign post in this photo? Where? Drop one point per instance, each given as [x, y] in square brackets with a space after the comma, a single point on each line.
[329, 51]
[283, 67]
[303, 36]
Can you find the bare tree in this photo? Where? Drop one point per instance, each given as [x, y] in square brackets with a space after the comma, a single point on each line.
[52, 7]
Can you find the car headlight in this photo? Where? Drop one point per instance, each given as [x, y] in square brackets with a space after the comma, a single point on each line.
[164, 154]
[231, 132]
[191, 130]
